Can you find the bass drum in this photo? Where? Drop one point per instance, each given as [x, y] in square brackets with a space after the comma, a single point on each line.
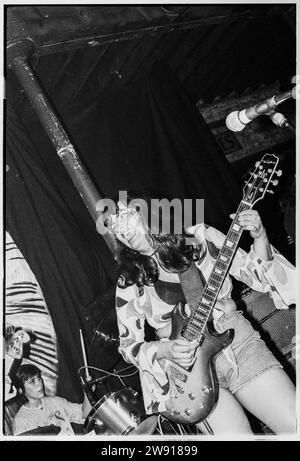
[120, 413]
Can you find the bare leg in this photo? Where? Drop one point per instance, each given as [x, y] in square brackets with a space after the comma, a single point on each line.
[228, 417]
[271, 397]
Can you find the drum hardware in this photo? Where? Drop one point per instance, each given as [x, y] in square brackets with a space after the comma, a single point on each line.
[120, 413]
[96, 388]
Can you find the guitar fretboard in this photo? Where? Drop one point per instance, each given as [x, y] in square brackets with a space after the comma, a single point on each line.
[197, 322]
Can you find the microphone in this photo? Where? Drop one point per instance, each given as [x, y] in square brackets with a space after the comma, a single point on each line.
[237, 120]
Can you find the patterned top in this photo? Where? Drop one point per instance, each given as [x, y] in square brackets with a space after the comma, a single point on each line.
[278, 277]
[53, 410]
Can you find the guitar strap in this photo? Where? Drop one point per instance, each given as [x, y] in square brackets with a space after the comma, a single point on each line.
[192, 283]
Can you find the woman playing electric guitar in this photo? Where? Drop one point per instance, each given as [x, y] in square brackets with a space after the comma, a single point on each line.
[248, 374]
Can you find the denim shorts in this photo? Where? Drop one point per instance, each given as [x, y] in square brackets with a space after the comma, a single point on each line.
[246, 357]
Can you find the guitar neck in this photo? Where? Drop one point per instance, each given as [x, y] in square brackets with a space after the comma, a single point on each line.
[195, 326]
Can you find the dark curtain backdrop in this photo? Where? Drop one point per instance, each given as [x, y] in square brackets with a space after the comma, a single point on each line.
[67, 268]
[147, 135]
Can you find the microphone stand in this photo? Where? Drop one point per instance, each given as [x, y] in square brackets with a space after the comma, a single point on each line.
[87, 384]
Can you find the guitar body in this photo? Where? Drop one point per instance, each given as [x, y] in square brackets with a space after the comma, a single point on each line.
[194, 392]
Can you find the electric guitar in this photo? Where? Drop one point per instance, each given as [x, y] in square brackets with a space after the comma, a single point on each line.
[194, 391]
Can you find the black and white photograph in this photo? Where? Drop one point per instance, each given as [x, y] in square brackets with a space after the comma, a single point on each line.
[149, 224]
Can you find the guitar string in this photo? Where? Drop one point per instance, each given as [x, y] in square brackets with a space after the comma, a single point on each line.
[216, 280]
[229, 253]
[219, 280]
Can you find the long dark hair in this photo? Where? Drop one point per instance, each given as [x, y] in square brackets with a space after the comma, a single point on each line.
[172, 252]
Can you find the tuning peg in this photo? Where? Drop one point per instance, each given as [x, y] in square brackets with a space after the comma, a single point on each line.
[279, 172]
[275, 182]
[269, 191]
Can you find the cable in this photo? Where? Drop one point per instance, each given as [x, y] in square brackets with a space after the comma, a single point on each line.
[159, 425]
[208, 427]
[108, 373]
[180, 429]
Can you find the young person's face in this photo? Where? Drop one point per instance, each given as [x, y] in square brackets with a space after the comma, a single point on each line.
[130, 228]
[34, 388]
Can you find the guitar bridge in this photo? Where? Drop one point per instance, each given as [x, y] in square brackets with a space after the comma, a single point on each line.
[178, 374]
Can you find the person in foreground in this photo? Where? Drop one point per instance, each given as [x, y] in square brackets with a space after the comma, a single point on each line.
[41, 411]
[148, 289]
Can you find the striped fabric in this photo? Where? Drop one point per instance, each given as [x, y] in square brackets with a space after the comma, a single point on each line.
[26, 308]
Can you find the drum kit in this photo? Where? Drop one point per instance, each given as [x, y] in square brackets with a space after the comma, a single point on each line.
[120, 413]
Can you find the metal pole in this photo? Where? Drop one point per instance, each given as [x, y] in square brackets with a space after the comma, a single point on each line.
[17, 57]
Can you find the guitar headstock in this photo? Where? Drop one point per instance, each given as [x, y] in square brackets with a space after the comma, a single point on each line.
[260, 180]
